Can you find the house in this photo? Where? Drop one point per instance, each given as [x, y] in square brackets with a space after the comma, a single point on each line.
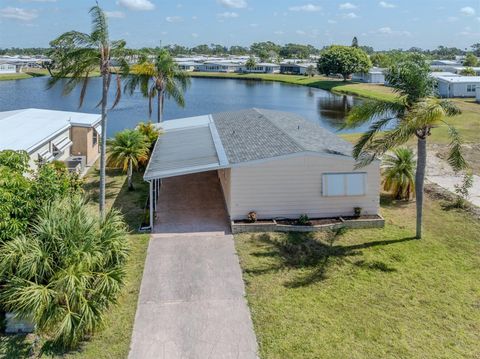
[457, 86]
[374, 76]
[47, 135]
[262, 67]
[219, 66]
[296, 68]
[274, 163]
[188, 66]
[7, 68]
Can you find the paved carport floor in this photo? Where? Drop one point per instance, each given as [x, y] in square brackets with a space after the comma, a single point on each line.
[192, 298]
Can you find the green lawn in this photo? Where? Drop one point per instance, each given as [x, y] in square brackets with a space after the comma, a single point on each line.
[114, 340]
[375, 293]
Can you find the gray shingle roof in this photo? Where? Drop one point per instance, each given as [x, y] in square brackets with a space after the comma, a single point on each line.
[256, 134]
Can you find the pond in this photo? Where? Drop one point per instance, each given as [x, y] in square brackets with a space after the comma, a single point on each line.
[204, 96]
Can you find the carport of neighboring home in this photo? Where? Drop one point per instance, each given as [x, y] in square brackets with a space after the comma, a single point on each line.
[274, 163]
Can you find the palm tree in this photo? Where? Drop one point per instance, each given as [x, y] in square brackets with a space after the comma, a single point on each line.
[150, 131]
[414, 115]
[251, 63]
[77, 55]
[128, 149]
[66, 272]
[161, 77]
[399, 172]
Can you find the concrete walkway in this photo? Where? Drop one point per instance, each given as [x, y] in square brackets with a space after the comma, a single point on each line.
[191, 302]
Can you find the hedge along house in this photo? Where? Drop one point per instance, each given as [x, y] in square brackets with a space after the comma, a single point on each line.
[274, 163]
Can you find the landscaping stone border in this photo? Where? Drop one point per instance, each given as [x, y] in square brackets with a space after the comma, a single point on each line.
[273, 226]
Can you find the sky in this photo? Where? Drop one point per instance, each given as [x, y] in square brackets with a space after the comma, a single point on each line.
[382, 24]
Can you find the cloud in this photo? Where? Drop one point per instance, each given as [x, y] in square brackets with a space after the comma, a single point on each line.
[467, 11]
[137, 5]
[306, 8]
[253, 25]
[174, 18]
[389, 31]
[278, 32]
[18, 13]
[300, 32]
[115, 14]
[194, 17]
[233, 4]
[350, 15]
[386, 5]
[452, 19]
[331, 21]
[347, 6]
[38, 0]
[194, 34]
[227, 15]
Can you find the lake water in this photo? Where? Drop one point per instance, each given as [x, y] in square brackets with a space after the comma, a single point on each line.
[203, 97]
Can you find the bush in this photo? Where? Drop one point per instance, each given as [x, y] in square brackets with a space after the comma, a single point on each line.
[303, 220]
[252, 216]
[65, 273]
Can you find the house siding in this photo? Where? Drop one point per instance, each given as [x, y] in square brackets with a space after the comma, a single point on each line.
[82, 138]
[293, 186]
[225, 179]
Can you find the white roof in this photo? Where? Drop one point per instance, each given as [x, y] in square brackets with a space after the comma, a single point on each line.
[27, 129]
[460, 79]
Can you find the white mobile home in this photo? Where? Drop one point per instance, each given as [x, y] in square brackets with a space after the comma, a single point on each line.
[262, 67]
[457, 86]
[7, 68]
[47, 135]
[274, 163]
[374, 76]
[220, 66]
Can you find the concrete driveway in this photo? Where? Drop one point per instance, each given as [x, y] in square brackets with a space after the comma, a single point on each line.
[192, 298]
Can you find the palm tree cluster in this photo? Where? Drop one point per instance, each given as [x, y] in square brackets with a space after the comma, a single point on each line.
[78, 55]
[399, 172]
[66, 272]
[416, 113]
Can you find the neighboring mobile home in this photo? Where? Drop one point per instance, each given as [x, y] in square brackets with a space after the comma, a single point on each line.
[374, 76]
[274, 163]
[47, 135]
[457, 86]
[7, 68]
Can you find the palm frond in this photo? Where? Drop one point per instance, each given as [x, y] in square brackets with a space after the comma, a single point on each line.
[373, 110]
[455, 156]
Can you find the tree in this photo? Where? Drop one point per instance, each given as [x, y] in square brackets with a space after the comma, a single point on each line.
[24, 191]
[264, 48]
[355, 42]
[251, 63]
[150, 132]
[415, 114]
[311, 71]
[399, 172]
[470, 60]
[344, 60]
[476, 49]
[67, 272]
[160, 78]
[380, 59]
[77, 56]
[127, 150]
[468, 71]
[297, 51]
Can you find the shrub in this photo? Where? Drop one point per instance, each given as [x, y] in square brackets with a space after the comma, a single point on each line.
[357, 211]
[303, 220]
[65, 273]
[463, 190]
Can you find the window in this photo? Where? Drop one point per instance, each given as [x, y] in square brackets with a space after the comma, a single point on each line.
[470, 88]
[344, 184]
[95, 138]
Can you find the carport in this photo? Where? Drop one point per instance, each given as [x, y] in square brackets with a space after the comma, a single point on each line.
[182, 173]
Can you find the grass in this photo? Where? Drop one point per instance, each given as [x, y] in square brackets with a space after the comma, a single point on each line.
[375, 293]
[114, 340]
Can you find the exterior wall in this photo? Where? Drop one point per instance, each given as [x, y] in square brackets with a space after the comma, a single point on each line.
[478, 94]
[225, 178]
[456, 89]
[48, 146]
[82, 138]
[7, 69]
[34, 154]
[293, 186]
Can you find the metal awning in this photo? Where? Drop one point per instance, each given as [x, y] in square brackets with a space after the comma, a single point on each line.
[45, 156]
[98, 128]
[186, 150]
[62, 144]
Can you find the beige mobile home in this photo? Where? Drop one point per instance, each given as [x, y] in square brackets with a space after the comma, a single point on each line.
[47, 135]
[274, 163]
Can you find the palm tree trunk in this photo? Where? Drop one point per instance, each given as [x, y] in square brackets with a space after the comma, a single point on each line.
[161, 96]
[130, 175]
[419, 181]
[103, 144]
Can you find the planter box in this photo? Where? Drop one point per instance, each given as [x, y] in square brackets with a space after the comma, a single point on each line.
[374, 222]
[259, 226]
[274, 226]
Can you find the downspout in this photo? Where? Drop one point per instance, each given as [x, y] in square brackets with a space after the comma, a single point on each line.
[151, 205]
